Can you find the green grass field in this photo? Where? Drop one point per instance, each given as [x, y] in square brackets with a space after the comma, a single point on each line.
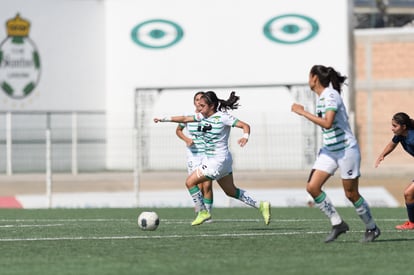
[108, 241]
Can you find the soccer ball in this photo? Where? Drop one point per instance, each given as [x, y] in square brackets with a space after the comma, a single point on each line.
[148, 220]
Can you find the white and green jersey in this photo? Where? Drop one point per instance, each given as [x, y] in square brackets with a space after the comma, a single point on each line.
[215, 133]
[191, 131]
[339, 136]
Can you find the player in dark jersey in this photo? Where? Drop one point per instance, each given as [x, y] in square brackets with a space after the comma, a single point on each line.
[403, 128]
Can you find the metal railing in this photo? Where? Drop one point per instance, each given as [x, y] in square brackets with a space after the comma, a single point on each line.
[27, 138]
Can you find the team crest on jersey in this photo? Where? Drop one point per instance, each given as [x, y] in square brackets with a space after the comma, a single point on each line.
[215, 119]
[19, 60]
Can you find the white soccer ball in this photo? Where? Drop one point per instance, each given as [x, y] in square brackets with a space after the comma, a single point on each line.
[148, 220]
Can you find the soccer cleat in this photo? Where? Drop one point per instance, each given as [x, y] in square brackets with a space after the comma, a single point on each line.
[265, 210]
[405, 226]
[209, 220]
[336, 231]
[202, 216]
[371, 235]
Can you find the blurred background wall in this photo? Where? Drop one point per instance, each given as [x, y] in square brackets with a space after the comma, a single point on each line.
[79, 69]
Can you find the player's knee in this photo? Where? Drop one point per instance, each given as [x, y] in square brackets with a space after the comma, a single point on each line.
[409, 193]
[190, 182]
[313, 190]
[188, 185]
[310, 175]
[409, 196]
[352, 196]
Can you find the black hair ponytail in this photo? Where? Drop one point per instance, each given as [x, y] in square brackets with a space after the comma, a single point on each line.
[230, 103]
[328, 75]
[220, 104]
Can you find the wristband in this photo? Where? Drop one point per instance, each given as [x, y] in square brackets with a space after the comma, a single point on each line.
[246, 135]
[165, 119]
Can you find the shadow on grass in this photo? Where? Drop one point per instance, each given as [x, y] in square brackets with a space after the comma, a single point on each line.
[379, 241]
[276, 229]
[394, 240]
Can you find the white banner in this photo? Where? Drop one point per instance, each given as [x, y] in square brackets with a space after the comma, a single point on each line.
[196, 42]
[52, 55]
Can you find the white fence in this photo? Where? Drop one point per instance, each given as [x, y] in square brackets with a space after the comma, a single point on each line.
[73, 142]
[36, 141]
[279, 138]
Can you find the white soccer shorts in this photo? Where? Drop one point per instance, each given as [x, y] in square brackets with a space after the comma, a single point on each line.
[193, 162]
[348, 161]
[216, 168]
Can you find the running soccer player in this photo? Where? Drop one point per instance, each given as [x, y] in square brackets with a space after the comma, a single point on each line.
[340, 149]
[403, 128]
[188, 132]
[215, 125]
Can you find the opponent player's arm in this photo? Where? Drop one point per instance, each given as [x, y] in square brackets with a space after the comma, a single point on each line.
[388, 149]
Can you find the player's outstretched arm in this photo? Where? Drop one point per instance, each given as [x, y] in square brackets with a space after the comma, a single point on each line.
[177, 119]
[388, 149]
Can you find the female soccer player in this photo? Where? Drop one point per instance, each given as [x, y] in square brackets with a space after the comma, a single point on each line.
[340, 149]
[195, 151]
[403, 128]
[214, 125]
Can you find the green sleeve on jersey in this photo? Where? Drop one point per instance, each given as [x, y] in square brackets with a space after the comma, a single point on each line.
[235, 122]
[196, 118]
[330, 109]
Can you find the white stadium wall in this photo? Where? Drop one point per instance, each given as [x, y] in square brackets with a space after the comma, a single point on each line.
[176, 43]
[69, 38]
[55, 68]
[94, 54]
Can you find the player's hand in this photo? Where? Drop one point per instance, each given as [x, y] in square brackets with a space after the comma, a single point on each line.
[378, 161]
[243, 141]
[189, 142]
[297, 108]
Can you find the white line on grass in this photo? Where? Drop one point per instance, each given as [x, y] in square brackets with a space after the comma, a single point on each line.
[62, 220]
[157, 236]
[30, 225]
[181, 220]
[149, 236]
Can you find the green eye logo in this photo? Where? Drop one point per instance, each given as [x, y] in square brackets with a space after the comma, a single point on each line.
[290, 29]
[157, 34]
